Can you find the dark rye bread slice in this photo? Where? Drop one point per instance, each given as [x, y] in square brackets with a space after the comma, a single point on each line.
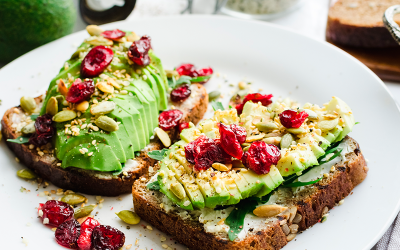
[358, 23]
[93, 182]
[311, 203]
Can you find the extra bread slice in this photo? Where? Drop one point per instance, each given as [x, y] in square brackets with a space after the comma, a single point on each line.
[358, 23]
[306, 209]
[93, 182]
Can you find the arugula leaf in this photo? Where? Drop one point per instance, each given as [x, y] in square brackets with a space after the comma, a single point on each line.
[153, 186]
[235, 220]
[33, 117]
[201, 78]
[171, 82]
[356, 123]
[217, 106]
[157, 154]
[333, 157]
[183, 79]
[19, 140]
[300, 184]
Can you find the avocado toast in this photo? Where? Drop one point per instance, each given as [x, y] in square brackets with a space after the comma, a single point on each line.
[92, 130]
[294, 164]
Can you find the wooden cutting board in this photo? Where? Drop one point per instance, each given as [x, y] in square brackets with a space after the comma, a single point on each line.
[384, 62]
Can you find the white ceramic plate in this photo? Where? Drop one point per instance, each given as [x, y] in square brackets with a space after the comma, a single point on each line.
[278, 61]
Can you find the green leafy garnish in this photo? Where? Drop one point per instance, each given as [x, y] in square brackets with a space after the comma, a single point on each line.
[118, 172]
[331, 158]
[356, 123]
[153, 185]
[235, 220]
[201, 78]
[173, 83]
[301, 184]
[33, 117]
[19, 140]
[157, 154]
[217, 106]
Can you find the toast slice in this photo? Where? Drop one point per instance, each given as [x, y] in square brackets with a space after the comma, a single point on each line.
[358, 23]
[47, 166]
[307, 207]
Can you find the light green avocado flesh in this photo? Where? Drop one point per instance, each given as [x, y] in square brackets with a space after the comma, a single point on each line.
[136, 111]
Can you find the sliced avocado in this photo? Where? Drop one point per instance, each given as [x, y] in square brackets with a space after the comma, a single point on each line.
[337, 132]
[132, 120]
[211, 197]
[233, 190]
[161, 87]
[329, 136]
[102, 159]
[241, 183]
[126, 142]
[309, 140]
[255, 184]
[157, 63]
[290, 164]
[345, 113]
[271, 181]
[190, 134]
[153, 85]
[165, 182]
[322, 142]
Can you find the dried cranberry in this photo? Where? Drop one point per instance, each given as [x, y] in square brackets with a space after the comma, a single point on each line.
[254, 97]
[44, 130]
[229, 142]
[292, 119]
[138, 52]
[113, 34]
[106, 237]
[80, 91]
[206, 153]
[261, 156]
[96, 61]
[188, 69]
[181, 93]
[84, 240]
[67, 233]
[222, 156]
[57, 212]
[240, 133]
[183, 126]
[169, 119]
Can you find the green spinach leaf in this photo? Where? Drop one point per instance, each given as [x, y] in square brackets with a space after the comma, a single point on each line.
[157, 154]
[153, 185]
[300, 184]
[201, 78]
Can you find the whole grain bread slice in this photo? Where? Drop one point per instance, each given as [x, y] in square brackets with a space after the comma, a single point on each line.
[306, 209]
[358, 23]
[92, 182]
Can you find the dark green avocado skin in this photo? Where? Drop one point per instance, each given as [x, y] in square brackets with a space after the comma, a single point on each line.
[27, 24]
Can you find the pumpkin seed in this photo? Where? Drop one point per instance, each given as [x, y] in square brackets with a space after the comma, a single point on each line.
[311, 114]
[273, 140]
[65, 115]
[26, 174]
[77, 53]
[83, 211]
[28, 129]
[255, 137]
[178, 190]
[113, 83]
[28, 104]
[128, 217]
[60, 98]
[98, 40]
[106, 123]
[62, 88]
[245, 149]
[52, 106]
[266, 126]
[94, 30]
[222, 167]
[213, 95]
[327, 125]
[296, 131]
[266, 211]
[246, 144]
[105, 87]
[286, 141]
[102, 108]
[163, 136]
[82, 106]
[73, 199]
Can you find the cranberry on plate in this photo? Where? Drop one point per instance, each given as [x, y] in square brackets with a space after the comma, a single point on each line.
[67, 233]
[106, 237]
[54, 213]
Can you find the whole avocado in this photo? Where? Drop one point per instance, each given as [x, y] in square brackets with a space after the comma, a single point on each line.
[27, 24]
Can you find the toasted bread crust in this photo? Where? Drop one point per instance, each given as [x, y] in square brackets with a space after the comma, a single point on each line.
[192, 234]
[80, 180]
